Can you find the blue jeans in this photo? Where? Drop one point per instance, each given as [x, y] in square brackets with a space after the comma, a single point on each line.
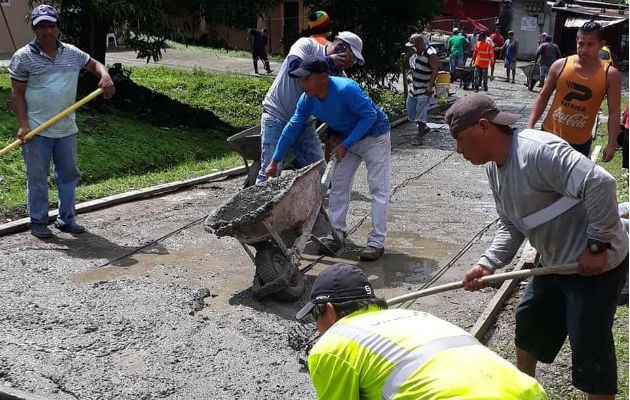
[307, 147]
[417, 108]
[37, 153]
[480, 77]
[456, 61]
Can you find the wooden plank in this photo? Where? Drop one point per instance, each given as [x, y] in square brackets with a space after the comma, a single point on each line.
[595, 153]
[22, 224]
[495, 306]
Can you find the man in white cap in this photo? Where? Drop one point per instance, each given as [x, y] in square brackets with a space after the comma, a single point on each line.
[44, 76]
[282, 96]
[423, 63]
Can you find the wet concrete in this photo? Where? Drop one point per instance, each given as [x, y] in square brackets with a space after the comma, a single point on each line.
[177, 320]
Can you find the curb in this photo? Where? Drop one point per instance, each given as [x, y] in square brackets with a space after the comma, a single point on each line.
[22, 224]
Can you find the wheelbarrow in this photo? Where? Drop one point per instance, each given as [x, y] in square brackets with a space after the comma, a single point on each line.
[532, 72]
[276, 218]
[465, 76]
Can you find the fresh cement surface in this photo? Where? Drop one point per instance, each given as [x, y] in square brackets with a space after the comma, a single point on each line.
[176, 320]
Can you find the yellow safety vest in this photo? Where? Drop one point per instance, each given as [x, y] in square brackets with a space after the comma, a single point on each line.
[409, 355]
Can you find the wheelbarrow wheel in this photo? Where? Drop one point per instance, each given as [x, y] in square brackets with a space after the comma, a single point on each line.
[270, 262]
[294, 290]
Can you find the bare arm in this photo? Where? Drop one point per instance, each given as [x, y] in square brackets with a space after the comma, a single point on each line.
[18, 98]
[543, 97]
[613, 93]
[99, 70]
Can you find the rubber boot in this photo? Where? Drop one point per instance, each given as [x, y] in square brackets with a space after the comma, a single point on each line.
[421, 130]
[256, 67]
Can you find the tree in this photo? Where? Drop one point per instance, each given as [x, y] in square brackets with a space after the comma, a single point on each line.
[383, 25]
[145, 26]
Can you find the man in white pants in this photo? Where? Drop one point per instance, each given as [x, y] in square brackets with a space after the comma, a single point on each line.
[364, 129]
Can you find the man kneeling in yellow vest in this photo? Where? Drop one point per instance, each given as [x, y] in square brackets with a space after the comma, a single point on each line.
[369, 352]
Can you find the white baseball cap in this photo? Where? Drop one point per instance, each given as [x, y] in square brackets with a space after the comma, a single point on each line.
[356, 44]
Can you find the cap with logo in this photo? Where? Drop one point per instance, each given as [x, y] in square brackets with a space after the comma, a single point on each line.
[44, 12]
[356, 44]
[468, 110]
[338, 283]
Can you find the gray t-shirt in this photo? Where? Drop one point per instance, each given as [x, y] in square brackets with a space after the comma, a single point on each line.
[540, 169]
[283, 95]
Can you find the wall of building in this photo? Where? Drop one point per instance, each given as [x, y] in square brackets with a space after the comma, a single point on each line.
[530, 18]
[15, 12]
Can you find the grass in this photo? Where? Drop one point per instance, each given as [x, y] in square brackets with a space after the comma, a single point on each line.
[118, 152]
[214, 51]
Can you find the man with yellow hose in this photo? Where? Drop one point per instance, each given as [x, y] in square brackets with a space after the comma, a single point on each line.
[369, 352]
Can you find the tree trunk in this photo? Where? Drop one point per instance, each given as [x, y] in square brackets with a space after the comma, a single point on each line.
[93, 36]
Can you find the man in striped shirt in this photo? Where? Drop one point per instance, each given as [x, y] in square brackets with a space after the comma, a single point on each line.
[423, 62]
[44, 76]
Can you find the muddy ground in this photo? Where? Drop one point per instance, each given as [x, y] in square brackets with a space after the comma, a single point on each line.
[79, 320]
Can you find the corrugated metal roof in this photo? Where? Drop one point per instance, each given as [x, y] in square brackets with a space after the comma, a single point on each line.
[576, 22]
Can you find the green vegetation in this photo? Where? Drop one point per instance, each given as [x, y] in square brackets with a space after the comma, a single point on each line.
[119, 152]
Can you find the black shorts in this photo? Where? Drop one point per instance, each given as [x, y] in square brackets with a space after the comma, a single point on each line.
[582, 307]
[259, 53]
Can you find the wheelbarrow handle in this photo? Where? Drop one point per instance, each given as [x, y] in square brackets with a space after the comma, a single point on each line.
[563, 269]
[330, 171]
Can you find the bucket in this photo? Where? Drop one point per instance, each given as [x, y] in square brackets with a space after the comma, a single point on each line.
[443, 77]
[441, 91]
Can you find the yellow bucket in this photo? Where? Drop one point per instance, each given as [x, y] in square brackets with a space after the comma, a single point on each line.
[443, 77]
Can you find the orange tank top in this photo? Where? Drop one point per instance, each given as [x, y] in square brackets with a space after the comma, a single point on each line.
[576, 103]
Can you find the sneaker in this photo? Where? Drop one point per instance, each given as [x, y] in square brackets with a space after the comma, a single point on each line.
[371, 253]
[40, 231]
[72, 228]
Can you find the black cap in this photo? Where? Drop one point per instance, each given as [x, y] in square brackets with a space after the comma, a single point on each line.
[338, 283]
[310, 65]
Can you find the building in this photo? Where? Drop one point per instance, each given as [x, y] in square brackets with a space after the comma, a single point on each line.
[528, 19]
[15, 12]
[482, 14]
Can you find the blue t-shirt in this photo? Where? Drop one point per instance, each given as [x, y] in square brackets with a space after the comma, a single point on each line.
[51, 85]
[346, 109]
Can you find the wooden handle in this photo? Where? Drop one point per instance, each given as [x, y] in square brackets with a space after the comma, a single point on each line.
[52, 121]
[525, 273]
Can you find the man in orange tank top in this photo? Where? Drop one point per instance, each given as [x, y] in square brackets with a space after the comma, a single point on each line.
[581, 81]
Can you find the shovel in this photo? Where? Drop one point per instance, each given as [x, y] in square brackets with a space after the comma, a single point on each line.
[52, 121]
[563, 269]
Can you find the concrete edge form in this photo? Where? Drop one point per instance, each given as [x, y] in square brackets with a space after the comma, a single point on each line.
[22, 224]
[7, 393]
[487, 318]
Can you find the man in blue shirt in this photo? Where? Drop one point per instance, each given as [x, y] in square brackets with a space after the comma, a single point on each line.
[44, 76]
[364, 128]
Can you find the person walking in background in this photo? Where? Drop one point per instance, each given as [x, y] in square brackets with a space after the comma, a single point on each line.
[319, 27]
[423, 63]
[258, 41]
[581, 81]
[510, 52]
[44, 76]
[548, 53]
[456, 46]
[472, 42]
[498, 40]
[483, 57]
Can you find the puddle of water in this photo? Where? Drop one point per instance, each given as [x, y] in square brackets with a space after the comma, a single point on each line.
[206, 265]
[409, 261]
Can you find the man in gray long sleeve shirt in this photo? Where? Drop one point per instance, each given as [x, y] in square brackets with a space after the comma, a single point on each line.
[566, 206]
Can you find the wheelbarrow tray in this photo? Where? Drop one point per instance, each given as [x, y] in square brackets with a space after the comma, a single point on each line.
[281, 205]
[246, 143]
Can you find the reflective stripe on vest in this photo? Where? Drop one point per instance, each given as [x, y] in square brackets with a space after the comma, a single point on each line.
[406, 362]
[548, 213]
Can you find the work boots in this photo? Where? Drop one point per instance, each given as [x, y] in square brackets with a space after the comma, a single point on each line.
[256, 67]
[268, 67]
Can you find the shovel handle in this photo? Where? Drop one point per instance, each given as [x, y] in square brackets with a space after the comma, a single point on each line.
[52, 121]
[563, 269]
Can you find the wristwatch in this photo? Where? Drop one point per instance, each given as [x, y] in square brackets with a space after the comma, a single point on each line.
[595, 246]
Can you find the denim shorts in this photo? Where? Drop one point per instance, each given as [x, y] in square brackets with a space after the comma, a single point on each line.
[583, 308]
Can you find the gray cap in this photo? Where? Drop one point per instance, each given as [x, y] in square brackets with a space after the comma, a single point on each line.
[468, 110]
[415, 38]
